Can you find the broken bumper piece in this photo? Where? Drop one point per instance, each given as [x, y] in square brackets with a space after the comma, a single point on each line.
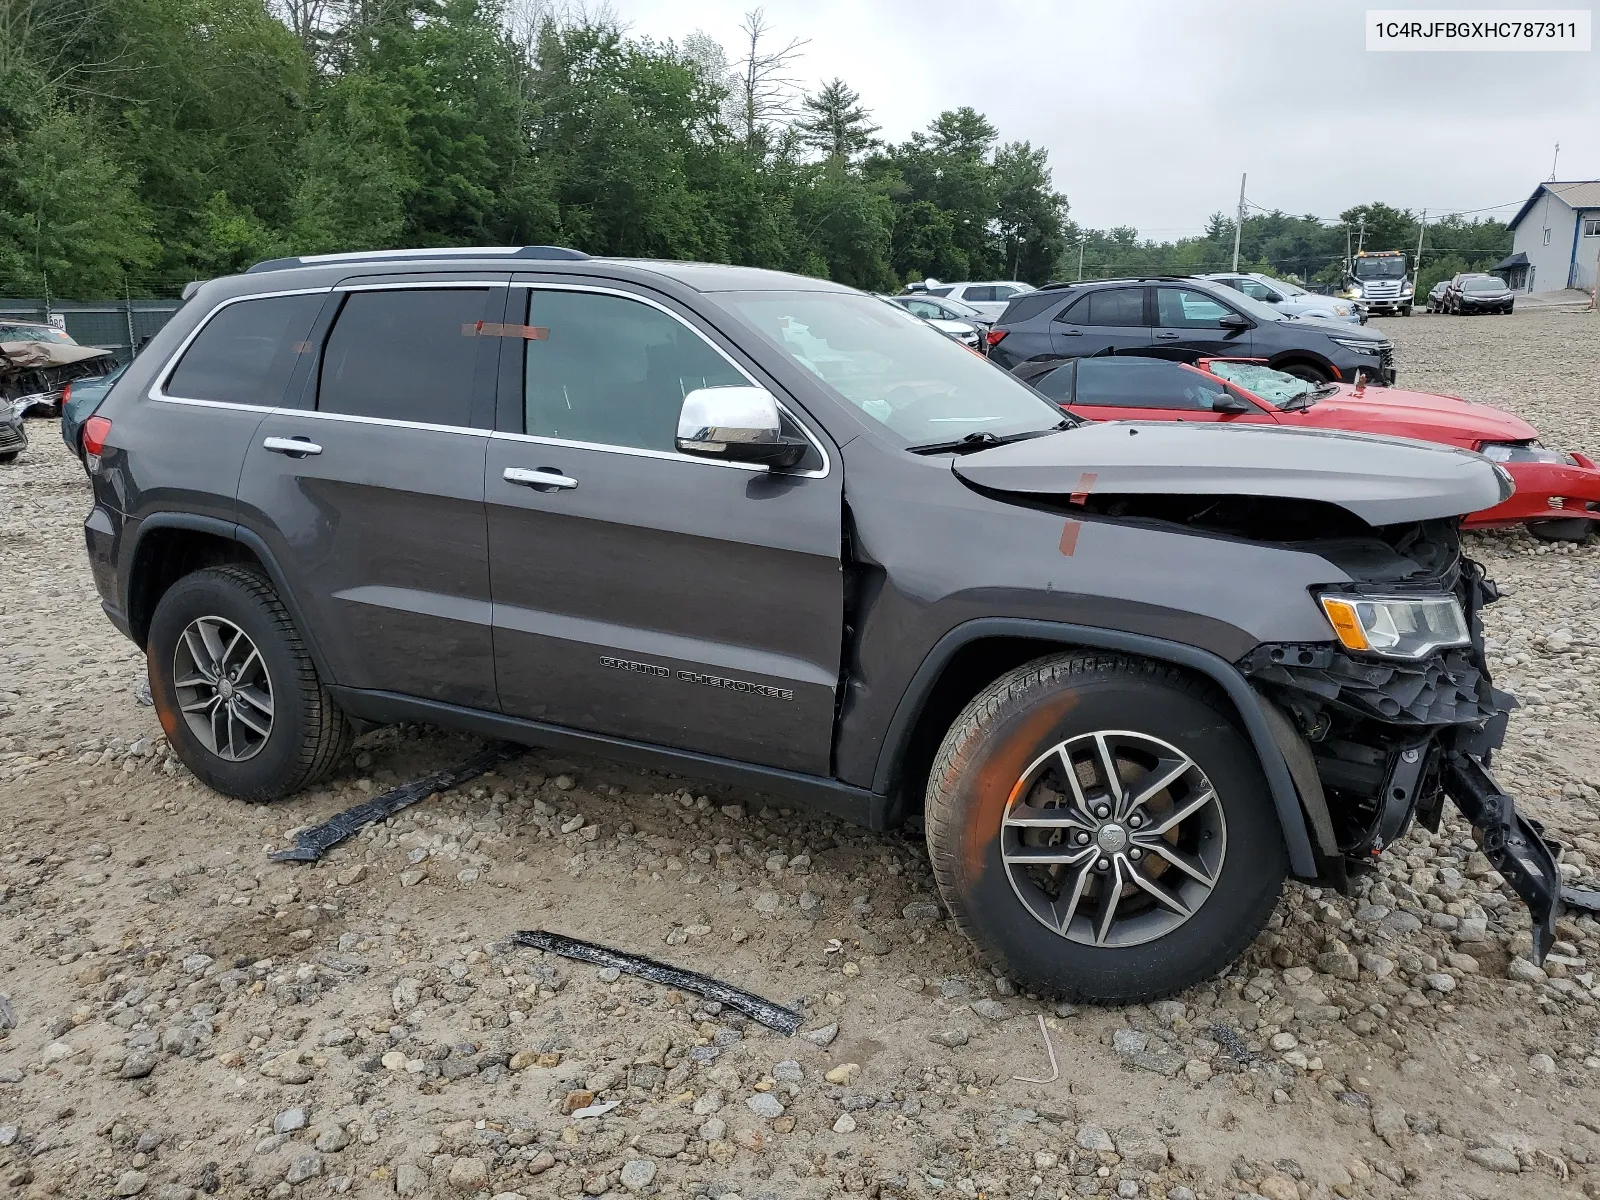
[1515, 845]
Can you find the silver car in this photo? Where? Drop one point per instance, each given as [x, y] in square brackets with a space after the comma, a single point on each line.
[1291, 298]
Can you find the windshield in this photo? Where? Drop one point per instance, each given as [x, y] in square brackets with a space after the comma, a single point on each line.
[959, 309]
[1380, 268]
[1483, 285]
[907, 376]
[1288, 289]
[32, 333]
[1274, 387]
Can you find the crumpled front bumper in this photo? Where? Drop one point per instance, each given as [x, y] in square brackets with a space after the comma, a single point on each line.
[1390, 739]
[1545, 491]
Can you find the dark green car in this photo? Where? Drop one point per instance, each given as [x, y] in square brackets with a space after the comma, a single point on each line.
[78, 403]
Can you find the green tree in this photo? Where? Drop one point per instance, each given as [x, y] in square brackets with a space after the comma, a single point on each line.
[835, 123]
[1030, 213]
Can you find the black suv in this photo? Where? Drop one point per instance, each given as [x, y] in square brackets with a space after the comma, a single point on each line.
[1076, 320]
[760, 528]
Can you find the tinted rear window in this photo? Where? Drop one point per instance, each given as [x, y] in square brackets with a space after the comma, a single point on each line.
[1143, 383]
[245, 353]
[1120, 307]
[405, 355]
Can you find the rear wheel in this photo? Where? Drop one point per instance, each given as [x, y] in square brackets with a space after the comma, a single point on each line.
[238, 696]
[1101, 830]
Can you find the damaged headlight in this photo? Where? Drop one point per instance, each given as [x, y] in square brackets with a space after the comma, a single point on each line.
[1397, 626]
[1503, 452]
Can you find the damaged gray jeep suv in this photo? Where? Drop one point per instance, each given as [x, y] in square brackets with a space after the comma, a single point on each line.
[760, 528]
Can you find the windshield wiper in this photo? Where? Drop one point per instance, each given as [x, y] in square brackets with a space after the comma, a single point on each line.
[1304, 400]
[984, 440]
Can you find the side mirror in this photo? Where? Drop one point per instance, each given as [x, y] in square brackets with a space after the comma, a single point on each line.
[736, 424]
[1227, 402]
[1235, 321]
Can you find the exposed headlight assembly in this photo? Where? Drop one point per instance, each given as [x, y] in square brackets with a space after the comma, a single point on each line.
[1503, 452]
[1396, 626]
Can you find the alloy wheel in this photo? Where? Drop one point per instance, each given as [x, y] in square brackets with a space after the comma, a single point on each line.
[1113, 838]
[223, 688]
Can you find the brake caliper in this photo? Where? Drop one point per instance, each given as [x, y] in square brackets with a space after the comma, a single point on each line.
[1514, 845]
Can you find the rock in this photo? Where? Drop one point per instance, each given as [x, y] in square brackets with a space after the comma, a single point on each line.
[407, 994]
[1278, 1187]
[1197, 1070]
[174, 1191]
[1129, 1041]
[289, 1120]
[637, 1173]
[1379, 965]
[1341, 964]
[823, 1036]
[303, 1167]
[130, 1183]
[409, 1180]
[1524, 971]
[767, 902]
[714, 1129]
[1389, 1123]
[990, 1010]
[541, 1162]
[394, 1060]
[1284, 1041]
[950, 1038]
[1142, 1151]
[137, 1065]
[8, 1134]
[1542, 1063]
[663, 1144]
[1134, 1048]
[468, 1174]
[576, 1099]
[332, 1139]
[765, 1104]
[921, 911]
[843, 1074]
[845, 1124]
[1093, 1137]
[1493, 1158]
[1440, 982]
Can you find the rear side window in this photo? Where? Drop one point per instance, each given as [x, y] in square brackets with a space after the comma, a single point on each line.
[246, 352]
[982, 294]
[1144, 383]
[612, 371]
[1057, 384]
[1113, 306]
[1179, 308]
[404, 355]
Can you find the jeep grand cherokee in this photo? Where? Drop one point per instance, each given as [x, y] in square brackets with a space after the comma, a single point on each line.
[761, 528]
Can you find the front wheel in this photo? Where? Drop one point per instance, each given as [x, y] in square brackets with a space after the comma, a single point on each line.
[237, 694]
[1100, 829]
[1307, 371]
[1562, 529]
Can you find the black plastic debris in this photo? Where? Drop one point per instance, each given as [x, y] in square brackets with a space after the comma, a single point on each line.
[311, 844]
[1232, 1044]
[1587, 899]
[773, 1016]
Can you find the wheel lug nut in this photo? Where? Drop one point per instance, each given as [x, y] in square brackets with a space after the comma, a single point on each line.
[1103, 865]
[1136, 854]
[1102, 811]
[1083, 838]
[1135, 821]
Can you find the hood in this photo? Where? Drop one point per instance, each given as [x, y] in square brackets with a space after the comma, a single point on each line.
[1422, 415]
[24, 355]
[1383, 481]
[1335, 328]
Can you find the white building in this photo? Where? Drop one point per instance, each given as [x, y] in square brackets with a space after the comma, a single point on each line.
[1556, 242]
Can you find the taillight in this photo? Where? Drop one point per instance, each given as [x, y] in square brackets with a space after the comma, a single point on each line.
[996, 336]
[66, 394]
[95, 432]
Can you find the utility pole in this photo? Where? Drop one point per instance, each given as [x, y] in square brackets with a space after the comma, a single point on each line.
[1553, 159]
[1361, 233]
[1416, 267]
[1082, 238]
[1238, 223]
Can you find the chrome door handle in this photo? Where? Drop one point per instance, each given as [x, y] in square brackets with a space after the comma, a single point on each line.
[540, 477]
[1167, 337]
[291, 445]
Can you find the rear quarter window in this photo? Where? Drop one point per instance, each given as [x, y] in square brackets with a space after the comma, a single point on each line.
[245, 353]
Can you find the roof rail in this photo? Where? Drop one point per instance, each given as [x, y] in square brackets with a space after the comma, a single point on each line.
[434, 252]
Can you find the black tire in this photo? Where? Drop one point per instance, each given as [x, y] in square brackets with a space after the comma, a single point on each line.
[1310, 372]
[9, 456]
[1020, 717]
[308, 732]
[1562, 529]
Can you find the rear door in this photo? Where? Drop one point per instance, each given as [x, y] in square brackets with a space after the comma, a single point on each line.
[1114, 319]
[640, 592]
[370, 494]
[1192, 319]
[1146, 389]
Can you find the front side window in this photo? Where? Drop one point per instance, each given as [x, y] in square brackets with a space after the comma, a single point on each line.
[1120, 307]
[919, 385]
[245, 353]
[1258, 291]
[404, 355]
[1144, 383]
[1179, 308]
[924, 308]
[614, 371]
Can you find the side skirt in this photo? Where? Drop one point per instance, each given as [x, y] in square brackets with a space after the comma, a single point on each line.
[827, 796]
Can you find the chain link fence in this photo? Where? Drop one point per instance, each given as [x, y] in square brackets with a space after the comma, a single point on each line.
[120, 326]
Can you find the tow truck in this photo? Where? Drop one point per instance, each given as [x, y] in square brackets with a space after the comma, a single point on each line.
[1380, 281]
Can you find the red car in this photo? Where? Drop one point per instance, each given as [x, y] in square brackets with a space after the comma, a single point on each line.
[1557, 496]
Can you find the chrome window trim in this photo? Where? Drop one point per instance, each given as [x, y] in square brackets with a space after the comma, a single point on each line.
[158, 390]
[420, 285]
[644, 452]
[357, 419]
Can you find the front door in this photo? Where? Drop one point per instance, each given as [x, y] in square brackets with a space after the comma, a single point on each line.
[640, 592]
[1193, 320]
[1111, 319]
[371, 495]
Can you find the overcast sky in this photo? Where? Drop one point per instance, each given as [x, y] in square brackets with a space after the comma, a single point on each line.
[1151, 109]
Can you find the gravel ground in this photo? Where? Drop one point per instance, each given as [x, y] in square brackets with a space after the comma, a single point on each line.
[187, 1018]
